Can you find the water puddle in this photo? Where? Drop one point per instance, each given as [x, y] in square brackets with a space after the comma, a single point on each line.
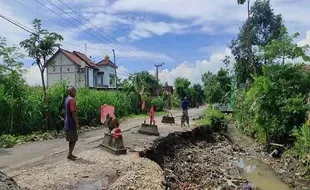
[261, 175]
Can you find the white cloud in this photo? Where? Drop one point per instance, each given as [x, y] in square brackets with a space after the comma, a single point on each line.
[193, 73]
[138, 34]
[305, 41]
[73, 35]
[105, 21]
[212, 48]
[121, 38]
[146, 29]
[195, 9]
[210, 14]
[122, 72]
[12, 33]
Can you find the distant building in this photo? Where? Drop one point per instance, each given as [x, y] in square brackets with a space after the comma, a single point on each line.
[167, 88]
[80, 71]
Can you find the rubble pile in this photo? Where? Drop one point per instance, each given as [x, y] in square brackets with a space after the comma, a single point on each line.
[8, 183]
[204, 166]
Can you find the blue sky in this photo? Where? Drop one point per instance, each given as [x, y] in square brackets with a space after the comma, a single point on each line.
[190, 36]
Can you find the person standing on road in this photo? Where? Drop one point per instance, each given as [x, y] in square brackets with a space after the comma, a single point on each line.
[71, 122]
[185, 106]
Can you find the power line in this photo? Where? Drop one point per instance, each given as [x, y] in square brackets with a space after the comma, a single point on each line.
[69, 21]
[51, 21]
[75, 24]
[29, 30]
[98, 28]
[130, 56]
[15, 23]
[32, 32]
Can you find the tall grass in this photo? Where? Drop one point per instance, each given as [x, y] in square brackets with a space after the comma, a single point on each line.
[302, 143]
[24, 113]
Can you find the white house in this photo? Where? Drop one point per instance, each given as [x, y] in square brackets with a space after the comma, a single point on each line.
[80, 71]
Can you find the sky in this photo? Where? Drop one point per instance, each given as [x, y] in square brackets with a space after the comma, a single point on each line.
[189, 36]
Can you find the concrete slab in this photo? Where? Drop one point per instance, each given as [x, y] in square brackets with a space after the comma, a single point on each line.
[148, 129]
[167, 119]
[112, 145]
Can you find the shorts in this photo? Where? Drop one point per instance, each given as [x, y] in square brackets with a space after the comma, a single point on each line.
[71, 135]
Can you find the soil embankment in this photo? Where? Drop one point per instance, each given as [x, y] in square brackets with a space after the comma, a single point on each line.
[200, 159]
[197, 159]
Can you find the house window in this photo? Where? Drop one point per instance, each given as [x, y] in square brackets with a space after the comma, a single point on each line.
[68, 69]
[101, 79]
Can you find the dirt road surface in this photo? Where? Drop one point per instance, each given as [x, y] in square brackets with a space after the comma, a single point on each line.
[43, 165]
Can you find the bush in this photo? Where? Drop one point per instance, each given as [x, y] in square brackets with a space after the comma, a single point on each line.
[214, 119]
[176, 101]
[302, 143]
[159, 103]
[275, 104]
[243, 114]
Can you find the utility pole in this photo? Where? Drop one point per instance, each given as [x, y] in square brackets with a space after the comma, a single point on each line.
[86, 49]
[158, 65]
[114, 56]
[115, 68]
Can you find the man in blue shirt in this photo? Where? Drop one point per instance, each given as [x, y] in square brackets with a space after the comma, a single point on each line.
[185, 106]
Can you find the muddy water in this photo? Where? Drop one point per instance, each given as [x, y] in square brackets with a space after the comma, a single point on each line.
[257, 173]
[261, 176]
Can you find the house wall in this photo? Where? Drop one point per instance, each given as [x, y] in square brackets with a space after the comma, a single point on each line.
[91, 78]
[64, 69]
[109, 72]
[80, 79]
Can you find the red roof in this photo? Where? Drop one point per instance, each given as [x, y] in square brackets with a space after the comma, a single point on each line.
[82, 56]
[107, 61]
[72, 57]
[76, 57]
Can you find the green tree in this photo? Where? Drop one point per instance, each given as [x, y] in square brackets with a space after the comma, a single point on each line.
[142, 82]
[40, 46]
[9, 58]
[259, 29]
[200, 98]
[283, 48]
[181, 86]
[278, 100]
[217, 87]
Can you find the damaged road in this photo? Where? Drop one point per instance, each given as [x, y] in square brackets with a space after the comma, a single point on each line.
[43, 165]
[179, 159]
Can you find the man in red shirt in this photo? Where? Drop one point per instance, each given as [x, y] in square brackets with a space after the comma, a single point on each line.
[71, 121]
